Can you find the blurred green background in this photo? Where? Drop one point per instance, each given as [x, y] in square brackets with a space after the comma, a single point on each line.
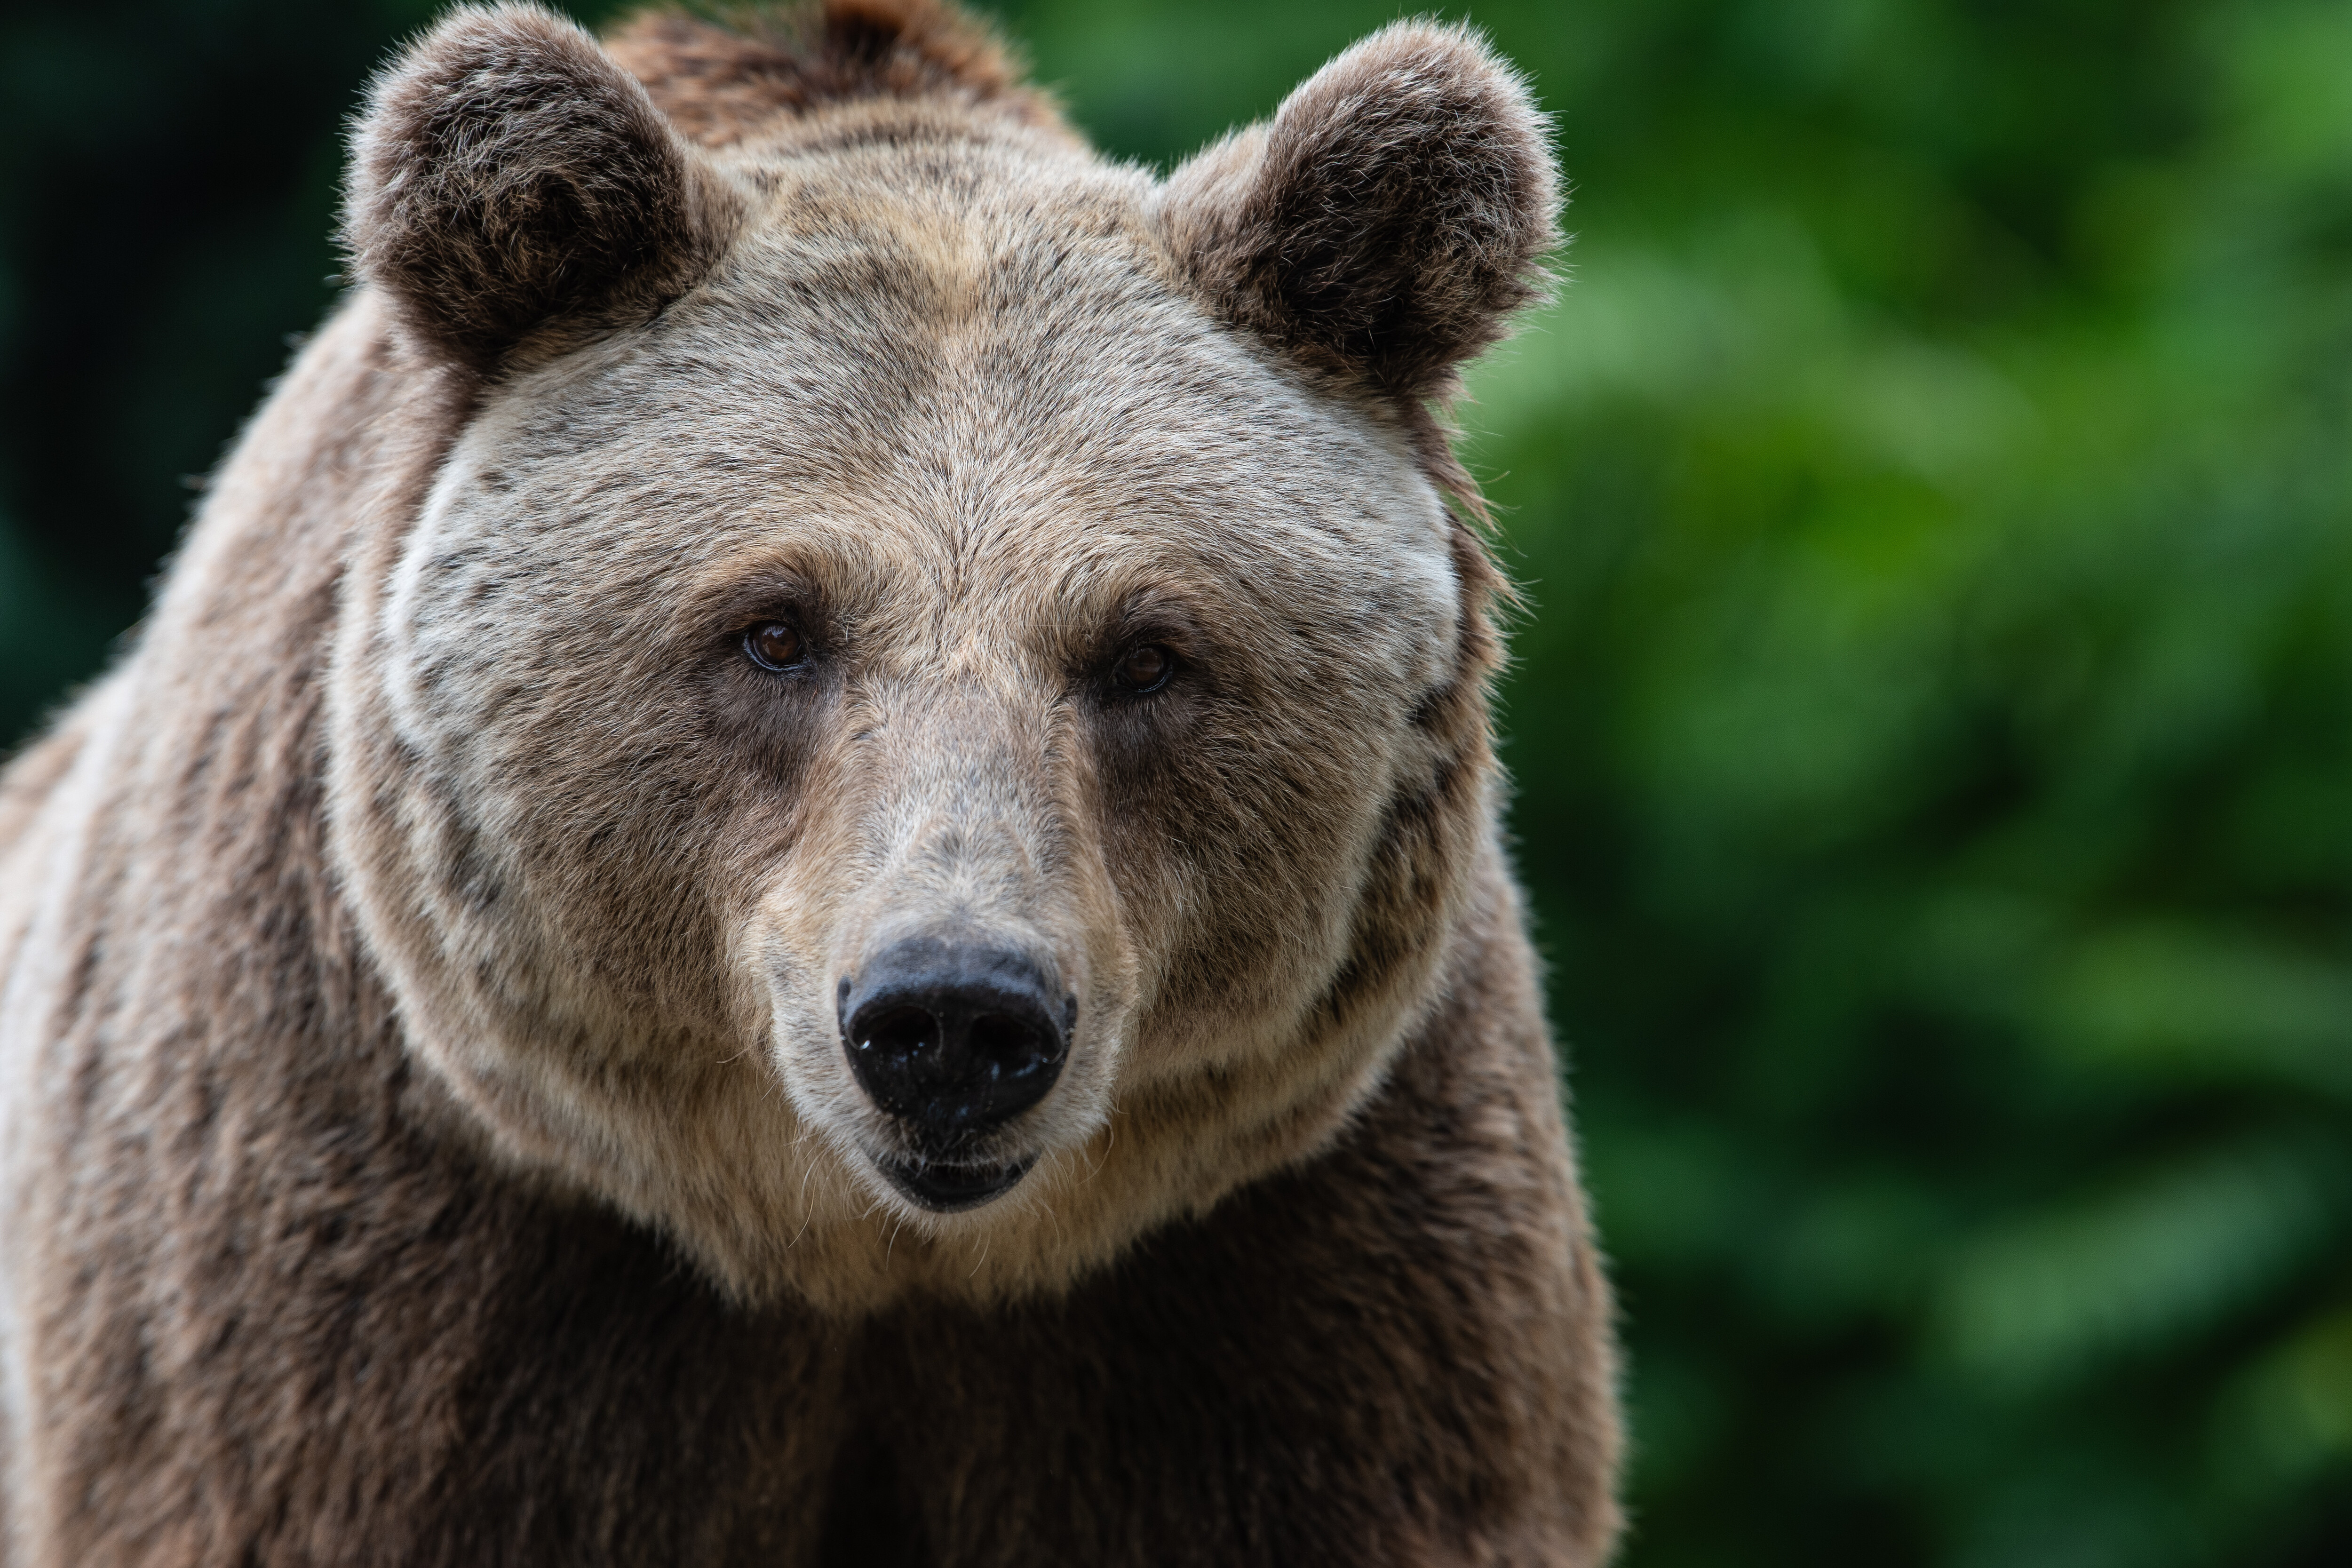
[1933, 735]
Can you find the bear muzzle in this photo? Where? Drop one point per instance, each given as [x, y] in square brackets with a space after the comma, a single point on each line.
[953, 1039]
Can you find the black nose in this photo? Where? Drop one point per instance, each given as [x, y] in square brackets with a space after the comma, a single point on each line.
[954, 1037]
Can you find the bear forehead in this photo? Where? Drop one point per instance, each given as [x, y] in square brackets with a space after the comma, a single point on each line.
[968, 366]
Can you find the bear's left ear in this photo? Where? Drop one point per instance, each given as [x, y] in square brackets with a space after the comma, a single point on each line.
[1388, 221]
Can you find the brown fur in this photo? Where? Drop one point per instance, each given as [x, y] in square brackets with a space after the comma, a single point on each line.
[423, 1135]
[722, 84]
[1388, 220]
[510, 176]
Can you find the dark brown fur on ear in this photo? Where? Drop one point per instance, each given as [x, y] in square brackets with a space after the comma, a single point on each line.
[508, 176]
[719, 81]
[1388, 220]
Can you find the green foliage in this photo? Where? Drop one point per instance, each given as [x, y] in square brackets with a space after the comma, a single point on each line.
[1933, 736]
[1935, 745]
[167, 186]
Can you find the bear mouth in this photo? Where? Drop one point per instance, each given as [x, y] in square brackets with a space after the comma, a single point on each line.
[945, 1188]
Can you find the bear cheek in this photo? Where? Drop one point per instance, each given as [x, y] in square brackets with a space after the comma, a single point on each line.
[1230, 853]
[591, 808]
[1278, 835]
[795, 852]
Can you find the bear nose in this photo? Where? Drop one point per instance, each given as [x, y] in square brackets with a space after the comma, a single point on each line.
[955, 1038]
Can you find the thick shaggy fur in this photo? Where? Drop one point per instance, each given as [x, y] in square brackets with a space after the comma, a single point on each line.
[513, 177]
[426, 1134]
[1388, 220]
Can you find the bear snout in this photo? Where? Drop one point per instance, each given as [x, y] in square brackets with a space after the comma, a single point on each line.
[953, 1039]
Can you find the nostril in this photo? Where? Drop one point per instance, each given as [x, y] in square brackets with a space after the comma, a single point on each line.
[904, 1032]
[1006, 1043]
[898, 1053]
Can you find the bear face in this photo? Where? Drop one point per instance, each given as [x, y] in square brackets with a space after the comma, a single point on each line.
[933, 715]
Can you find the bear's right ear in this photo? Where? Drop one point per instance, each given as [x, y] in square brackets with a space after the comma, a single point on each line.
[508, 179]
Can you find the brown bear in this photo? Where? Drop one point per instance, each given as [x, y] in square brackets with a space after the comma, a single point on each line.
[802, 866]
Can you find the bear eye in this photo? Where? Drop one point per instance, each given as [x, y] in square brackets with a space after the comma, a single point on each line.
[1144, 668]
[775, 645]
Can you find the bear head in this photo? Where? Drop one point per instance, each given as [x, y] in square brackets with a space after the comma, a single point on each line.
[931, 713]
